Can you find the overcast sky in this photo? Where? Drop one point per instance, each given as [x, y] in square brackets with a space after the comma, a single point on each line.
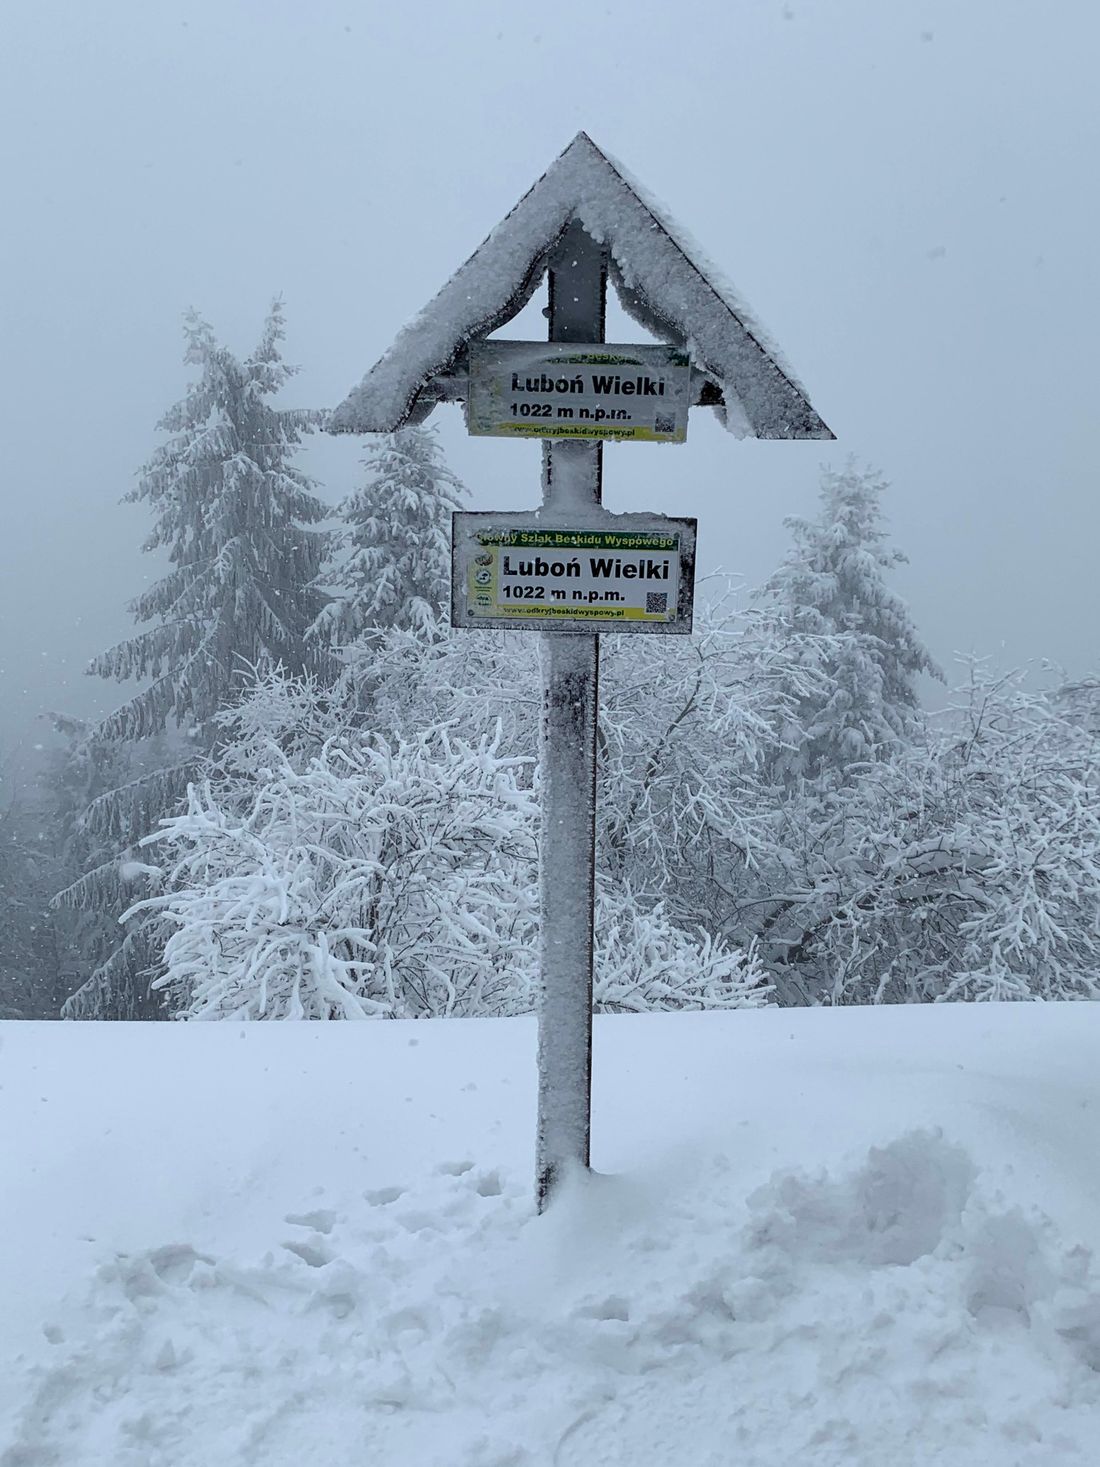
[903, 190]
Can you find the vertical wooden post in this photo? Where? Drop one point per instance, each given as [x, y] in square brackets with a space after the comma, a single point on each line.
[572, 486]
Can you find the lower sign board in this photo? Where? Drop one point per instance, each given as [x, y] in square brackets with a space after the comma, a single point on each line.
[555, 389]
[620, 573]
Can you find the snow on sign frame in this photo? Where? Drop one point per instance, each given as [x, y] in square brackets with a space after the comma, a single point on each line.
[554, 389]
[663, 280]
[619, 573]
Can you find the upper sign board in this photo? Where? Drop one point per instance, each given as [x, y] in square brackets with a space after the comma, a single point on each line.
[540, 389]
[619, 573]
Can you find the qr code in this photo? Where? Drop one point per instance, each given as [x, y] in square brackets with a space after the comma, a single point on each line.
[662, 424]
[656, 602]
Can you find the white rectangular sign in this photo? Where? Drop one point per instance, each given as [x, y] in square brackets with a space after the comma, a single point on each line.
[555, 389]
[624, 573]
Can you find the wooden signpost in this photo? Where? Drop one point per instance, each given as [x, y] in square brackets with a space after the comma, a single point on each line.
[571, 570]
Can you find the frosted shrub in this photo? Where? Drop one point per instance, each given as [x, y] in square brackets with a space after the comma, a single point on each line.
[967, 867]
[357, 877]
[381, 880]
[645, 962]
[1025, 786]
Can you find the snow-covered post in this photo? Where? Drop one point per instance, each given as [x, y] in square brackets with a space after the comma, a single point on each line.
[582, 218]
[571, 485]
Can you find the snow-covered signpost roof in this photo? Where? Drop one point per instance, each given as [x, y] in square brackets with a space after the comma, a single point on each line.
[571, 570]
[662, 279]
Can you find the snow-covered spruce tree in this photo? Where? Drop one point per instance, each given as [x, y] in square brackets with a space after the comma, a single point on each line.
[235, 517]
[107, 793]
[238, 521]
[833, 582]
[393, 567]
[35, 962]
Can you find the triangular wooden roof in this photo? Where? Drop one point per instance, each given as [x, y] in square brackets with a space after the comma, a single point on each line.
[662, 280]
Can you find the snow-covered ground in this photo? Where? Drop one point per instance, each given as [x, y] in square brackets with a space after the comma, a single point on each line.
[847, 1236]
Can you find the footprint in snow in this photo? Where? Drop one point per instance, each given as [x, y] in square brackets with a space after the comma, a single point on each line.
[383, 1196]
[323, 1220]
[174, 1262]
[314, 1251]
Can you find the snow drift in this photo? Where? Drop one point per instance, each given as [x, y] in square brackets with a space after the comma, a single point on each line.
[856, 1236]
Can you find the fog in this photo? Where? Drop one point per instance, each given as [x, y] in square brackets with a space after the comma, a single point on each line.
[904, 193]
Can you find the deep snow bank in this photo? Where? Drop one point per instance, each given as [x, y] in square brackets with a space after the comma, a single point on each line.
[831, 1237]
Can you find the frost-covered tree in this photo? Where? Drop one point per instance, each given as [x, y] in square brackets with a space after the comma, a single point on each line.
[967, 865]
[394, 560]
[347, 875]
[686, 733]
[238, 522]
[105, 794]
[379, 881]
[833, 582]
[237, 519]
[1080, 701]
[644, 961]
[35, 968]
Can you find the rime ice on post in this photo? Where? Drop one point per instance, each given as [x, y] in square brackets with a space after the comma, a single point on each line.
[571, 487]
[584, 570]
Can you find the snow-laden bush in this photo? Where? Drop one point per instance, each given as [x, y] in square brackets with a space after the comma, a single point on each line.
[356, 876]
[351, 874]
[645, 962]
[380, 880]
[967, 866]
[687, 731]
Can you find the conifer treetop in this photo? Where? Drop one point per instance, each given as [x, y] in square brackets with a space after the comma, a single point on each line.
[396, 539]
[235, 517]
[832, 583]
